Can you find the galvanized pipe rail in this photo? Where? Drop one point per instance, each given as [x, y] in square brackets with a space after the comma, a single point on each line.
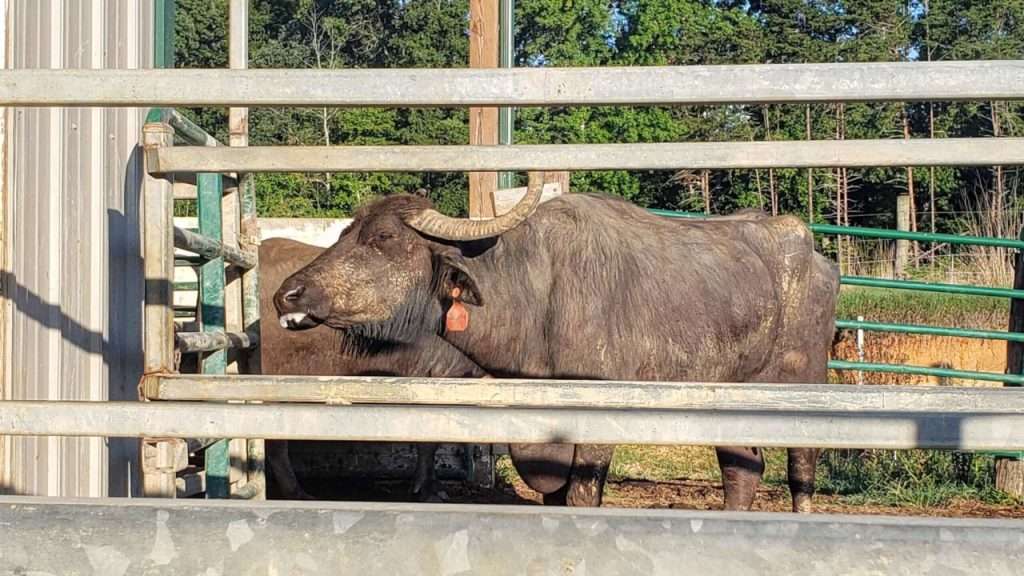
[198, 342]
[188, 130]
[771, 428]
[211, 249]
[61, 536]
[464, 87]
[557, 394]
[660, 156]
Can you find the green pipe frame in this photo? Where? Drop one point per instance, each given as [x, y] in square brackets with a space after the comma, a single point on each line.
[879, 232]
[932, 287]
[1008, 379]
[211, 314]
[929, 330]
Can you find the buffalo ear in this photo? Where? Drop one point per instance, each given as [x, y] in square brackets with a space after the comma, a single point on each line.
[457, 276]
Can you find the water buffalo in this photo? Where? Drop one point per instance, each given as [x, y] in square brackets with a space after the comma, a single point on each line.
[588, 287]
[323, 352]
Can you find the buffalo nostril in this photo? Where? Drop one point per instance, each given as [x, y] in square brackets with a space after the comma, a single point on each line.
[293, 295]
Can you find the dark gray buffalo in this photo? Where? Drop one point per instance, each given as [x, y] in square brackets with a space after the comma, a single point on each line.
[326, 352]
[587, 287]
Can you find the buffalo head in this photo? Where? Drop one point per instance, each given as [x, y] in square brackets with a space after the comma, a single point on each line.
[391, 271]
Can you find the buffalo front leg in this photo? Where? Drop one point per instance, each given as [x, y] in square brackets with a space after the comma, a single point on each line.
[589, 471]
[802, 468]
[741, 474]
[425, 487]
[282, 471]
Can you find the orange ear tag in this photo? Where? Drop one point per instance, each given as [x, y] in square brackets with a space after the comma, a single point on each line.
[457, 319]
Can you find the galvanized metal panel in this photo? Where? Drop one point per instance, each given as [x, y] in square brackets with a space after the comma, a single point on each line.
[327, 538]
[4, 302]
[73, 268]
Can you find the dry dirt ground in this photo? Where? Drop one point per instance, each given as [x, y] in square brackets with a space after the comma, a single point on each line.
[680, 494]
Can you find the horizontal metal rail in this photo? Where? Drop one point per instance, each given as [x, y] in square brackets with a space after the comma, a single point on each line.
[521, 393]
[879, 232]
[891, 430]
[136, 536]
[919, 236]
[932, 287]
[634, 85]
[187, 130]
[930, 330]
[193, 342]
[1013, 379]
[210, 249]
[660, 156]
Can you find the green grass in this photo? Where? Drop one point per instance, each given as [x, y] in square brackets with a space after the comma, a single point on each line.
[927, 478]
[923, 308]
[923, 478]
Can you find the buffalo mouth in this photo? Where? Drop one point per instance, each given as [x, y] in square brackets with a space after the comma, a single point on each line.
[299, 321]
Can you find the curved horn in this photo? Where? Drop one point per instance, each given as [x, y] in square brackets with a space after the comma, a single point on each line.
[433, 223]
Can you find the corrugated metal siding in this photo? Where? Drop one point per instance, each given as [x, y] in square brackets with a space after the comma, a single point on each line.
[74, 267]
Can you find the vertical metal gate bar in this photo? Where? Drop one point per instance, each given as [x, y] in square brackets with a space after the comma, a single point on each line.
[211, 313]
[506, 59]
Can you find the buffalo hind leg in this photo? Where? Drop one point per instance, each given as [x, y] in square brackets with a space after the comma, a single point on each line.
[802, 466]
[284, 474]
[741, 474]
[425, 486]
[589, 471]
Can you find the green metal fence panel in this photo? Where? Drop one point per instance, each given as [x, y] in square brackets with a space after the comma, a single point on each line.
[929, 330]
[882, 233]
[932, 287]
[885, 233]
[211, 312]
[926, 371]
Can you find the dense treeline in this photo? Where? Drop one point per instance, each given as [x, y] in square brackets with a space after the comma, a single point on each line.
[432, 33]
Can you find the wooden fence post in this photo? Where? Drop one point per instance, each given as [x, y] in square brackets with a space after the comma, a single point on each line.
[483, 122]
[1009, 472]
[902, 224]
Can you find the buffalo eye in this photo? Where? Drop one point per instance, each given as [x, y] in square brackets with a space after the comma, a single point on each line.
[384, 236]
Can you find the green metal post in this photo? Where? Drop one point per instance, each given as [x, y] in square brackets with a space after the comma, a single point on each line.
[506, 118]
[211, 313]
[163, 49]
[163, 43]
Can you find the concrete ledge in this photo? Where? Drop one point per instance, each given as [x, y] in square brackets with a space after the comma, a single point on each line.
[117, 537]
